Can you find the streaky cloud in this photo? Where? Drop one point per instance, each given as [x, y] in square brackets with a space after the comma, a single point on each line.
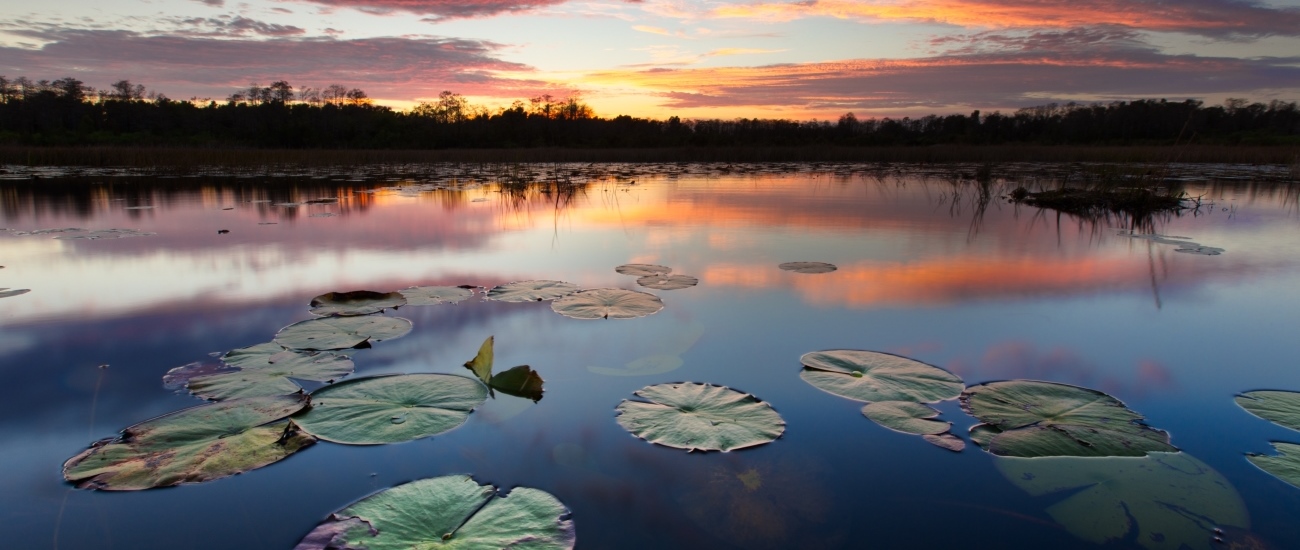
[438, 10]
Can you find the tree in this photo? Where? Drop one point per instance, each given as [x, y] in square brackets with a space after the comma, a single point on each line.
[280, 92]
[450, 108]
[334, 94]
[69, 88]
[358, 97]
[123, 90]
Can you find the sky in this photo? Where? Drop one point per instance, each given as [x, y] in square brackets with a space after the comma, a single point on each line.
[810, 59]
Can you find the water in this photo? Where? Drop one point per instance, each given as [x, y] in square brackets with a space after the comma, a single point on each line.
[990, 292]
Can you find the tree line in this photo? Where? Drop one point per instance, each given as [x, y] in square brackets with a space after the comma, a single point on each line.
[68, 112]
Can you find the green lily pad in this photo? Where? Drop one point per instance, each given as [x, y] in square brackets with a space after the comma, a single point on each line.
[390, 409]
[873, 376]
[700, 417]
[808, 267]
[607, 303]
[518, 381]
[1163, 501]
[531, 291]
[357, 302]
[267, 369]
[945, 441]
[434, 295]
[906, 416]
[1285, 465]
[1279, 407]
[642, 270]
[333, 333]
[1035, 419]
[481, 364]
[447, 512]
[667, 282]
[192, 446]
[9, 293]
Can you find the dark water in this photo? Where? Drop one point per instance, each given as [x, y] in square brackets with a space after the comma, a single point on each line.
[989, 291]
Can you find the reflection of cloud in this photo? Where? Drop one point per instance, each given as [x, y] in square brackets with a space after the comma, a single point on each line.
[1022, 360]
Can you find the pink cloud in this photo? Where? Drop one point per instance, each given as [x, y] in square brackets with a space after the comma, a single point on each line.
[444, 9]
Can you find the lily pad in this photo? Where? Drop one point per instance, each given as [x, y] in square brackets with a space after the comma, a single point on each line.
[106, 234]
[808, 267]
[531, 291]
[434, 295]
[450, 511]
[945, 441]
[518, 381]
[266, 369]
[357, 302]
[700, 417]
[1163, 501]
[8, 293]
[607, 303]
[873, 376]
[390, 409]
[192, 446]
[667, 282]
[333, 333]
[1285, 465]
[643, 270]
[1035, 419]
[1279, 407]
[906, 416]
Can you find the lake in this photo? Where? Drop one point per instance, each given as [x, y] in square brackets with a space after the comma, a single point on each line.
[931, 266]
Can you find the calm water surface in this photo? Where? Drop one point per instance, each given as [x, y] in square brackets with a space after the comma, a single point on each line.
[991, 293]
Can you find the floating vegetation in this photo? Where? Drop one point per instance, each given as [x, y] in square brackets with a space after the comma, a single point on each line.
[138, 208]
[1163, 501]
[322, 215]
[1135, 201]
[1184, 245]
[518, 381]
[531, 291]
[945, 441]
[9, 293]
[1279, 407]
[335, 333]
[357, 302]
[449, 511]
[1027, 418]
[1285, 465]
[434, 295]
[906, 416]
[700, 417]
[872, 376]
[267, 369]
[106, 234]
[643, 270]
[607, 303]
[808, 267]
[192, 446]
[391, 408]
[667, 282]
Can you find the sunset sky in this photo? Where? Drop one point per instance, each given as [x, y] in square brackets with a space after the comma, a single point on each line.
[659, 58]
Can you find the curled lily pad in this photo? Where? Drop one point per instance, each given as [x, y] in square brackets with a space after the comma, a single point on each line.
[607, 303]
[434, 295]
[531, 291]
[357, 302]
[390, 409]
[1279, 407]
[450, 511]
[906, 416]
[1163, 501]
[333, 333]
[1285, 465]
[873, 376]
[267, 369]
[643, 270]
[667, 282]
[808, 267]
[700, 417]
[1029, 418]
[8, 293]
[519, 381]
[192, 446]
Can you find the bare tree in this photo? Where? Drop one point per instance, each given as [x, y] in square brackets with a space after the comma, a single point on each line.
[279, 92]
[334, 94]
[356, 96]
[123, 90]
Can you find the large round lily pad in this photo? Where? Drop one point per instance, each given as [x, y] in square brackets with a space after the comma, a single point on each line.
[531, 291]
[667, 282]
[1285, 465]
[1279, 407]
[906, 416]
[607, 303]
[193, 445]
[1028, 418]
[873, 376]
[390, 409]
[700, 417]
[434, 295]
[642, 270]
[357, 302]
[267, 369]
[447, 512]
[332, 333]
[808, 267]
[1163, 501]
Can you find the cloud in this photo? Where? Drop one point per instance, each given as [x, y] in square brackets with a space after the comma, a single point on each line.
[1204, 17]
[233, 26]
[438, 10]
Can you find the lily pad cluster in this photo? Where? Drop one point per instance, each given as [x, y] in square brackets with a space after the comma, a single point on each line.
[657, 277]
[700, 417]
[1281, 408]
[1184, 244]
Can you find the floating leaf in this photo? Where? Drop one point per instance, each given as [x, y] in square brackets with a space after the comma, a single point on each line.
[531, 291]
[357, 302]
[192, 446]
[906, 416]
[332, 333]
[945, 441]
[451, 512]
[607, 303]
[520, 381]
[700, 417]
[1279, 407]
[481, 364]
[391, 408]
[873, 376]
[1163, 501]
[106, 234]
[808, 267]
[1049, 419]
[434, 295]
[7, 293]
[266, 369]
[667, 282]
[1285, 465]
[642, 270]
[983, 434]
[1200, 250]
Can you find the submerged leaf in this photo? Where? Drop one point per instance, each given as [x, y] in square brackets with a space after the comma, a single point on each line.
[1048, 419]
[434, 295]
[1279, 407]
[531, 291]
[357, 302]
[520, 381]
[808, 267]
[667, 282]
[642, 270]
[192, 446]
[451, 512]
[1285, 465]
[906, 416]
[481, 364]
[266, 369]
[700, 417]
[650, 364]
[873, 376]
[334, 333]
[391, 408]
[7, 293]
[608, 303]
